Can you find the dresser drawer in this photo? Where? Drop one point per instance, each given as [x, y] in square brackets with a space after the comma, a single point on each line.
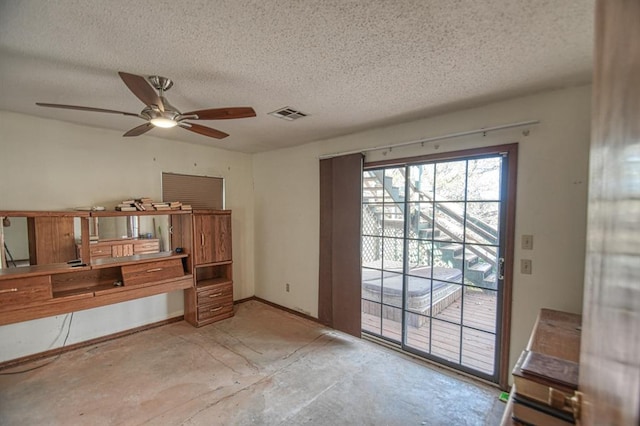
[222, 310]
[24, 290]
[206, 303]
[152, 271]
[215, 293]
[100, 251]
[122, 250]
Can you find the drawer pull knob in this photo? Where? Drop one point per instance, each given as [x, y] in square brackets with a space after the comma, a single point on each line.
[8, 290]
[216, 309]
[153, 270]
[215, 295]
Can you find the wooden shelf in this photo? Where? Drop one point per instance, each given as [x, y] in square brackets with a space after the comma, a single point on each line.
[213, 281]
[205, 265]
[38, 270]
[36, 213]
[112, 213]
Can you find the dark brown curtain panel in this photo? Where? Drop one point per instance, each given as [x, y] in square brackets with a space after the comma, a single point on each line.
[340, 272]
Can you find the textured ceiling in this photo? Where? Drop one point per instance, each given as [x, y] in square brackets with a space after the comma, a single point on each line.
[350, 64]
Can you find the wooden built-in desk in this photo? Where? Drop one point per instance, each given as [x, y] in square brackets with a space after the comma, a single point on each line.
[32, 292]
[117, 270]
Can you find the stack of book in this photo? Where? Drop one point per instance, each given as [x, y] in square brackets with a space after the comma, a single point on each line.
[147, 204]
[161, 206]
[144, 203]
[126, 206]
[543, 386]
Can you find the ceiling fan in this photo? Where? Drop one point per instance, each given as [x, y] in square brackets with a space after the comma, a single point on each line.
[160, 113]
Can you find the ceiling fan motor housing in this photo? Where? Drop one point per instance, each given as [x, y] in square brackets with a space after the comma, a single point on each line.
[160, 83]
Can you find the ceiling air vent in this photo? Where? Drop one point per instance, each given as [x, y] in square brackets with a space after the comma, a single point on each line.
[288, 113]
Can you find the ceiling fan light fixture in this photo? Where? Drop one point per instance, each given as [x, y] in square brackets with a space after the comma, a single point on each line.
[165, 123]
[158, 112]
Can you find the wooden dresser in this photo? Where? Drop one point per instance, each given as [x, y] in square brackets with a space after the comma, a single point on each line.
[545, 376]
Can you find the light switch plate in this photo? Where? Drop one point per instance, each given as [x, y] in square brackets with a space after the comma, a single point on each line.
[527, 242]
[525, 266]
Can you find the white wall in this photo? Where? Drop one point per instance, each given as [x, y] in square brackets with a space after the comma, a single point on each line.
[48, 165]
[551, 200]
[52, 165]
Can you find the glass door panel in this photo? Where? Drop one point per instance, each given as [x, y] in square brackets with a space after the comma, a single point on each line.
[431, 246]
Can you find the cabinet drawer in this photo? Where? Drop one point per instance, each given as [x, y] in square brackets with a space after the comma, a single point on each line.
[24, 290]
[215, 310]
[100, 251]
[215, 293]
[121, 250]
[152, 271]
[206, 303]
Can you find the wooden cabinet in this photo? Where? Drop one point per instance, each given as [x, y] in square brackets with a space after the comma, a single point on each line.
[212, 231]
[212, 297]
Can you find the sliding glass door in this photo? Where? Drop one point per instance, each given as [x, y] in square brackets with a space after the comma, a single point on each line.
[433, 249]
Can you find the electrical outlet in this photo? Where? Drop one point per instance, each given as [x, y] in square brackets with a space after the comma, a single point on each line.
[526, 266]
[527, 242]
[287, 287]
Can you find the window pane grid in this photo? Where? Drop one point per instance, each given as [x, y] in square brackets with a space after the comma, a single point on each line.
[440, 242]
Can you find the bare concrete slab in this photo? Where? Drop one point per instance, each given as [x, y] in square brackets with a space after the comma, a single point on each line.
[263, 367]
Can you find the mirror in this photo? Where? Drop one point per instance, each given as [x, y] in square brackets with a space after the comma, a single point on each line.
[43, 239]
[16, 242]
[123, 227]
[119, 236]
[39, 240]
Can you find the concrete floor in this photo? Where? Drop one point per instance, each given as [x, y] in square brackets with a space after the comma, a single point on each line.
[263, 366]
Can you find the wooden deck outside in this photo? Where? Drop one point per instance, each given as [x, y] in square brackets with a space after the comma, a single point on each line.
[478, 347]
